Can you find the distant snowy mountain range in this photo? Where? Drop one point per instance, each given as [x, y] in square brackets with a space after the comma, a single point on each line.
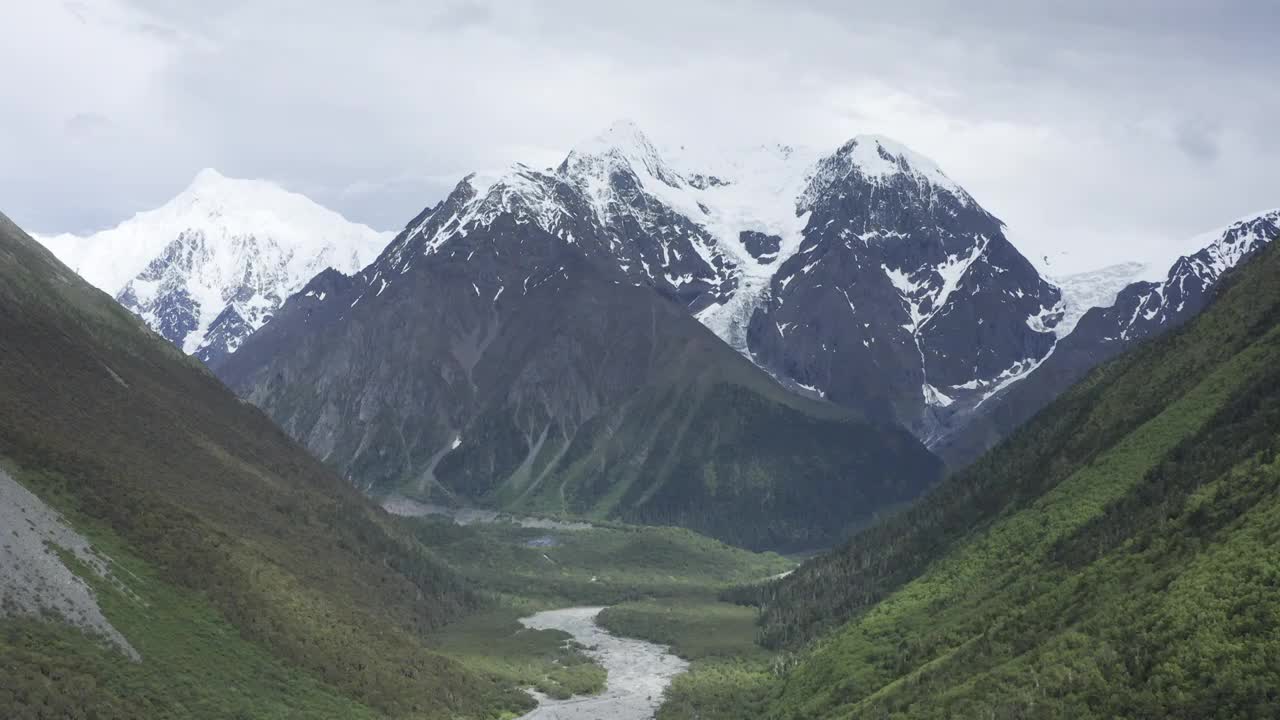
[864, 275]
[214, 263]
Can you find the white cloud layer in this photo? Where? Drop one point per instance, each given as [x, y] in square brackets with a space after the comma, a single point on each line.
[1095, 127]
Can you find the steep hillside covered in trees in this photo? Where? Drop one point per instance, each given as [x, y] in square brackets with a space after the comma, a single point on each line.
[251, 580]
[1113, 558]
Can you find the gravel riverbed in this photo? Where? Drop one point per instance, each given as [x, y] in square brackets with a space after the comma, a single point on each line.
[638, 671]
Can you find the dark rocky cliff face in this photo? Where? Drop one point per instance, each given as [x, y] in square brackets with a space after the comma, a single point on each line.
[904, 298]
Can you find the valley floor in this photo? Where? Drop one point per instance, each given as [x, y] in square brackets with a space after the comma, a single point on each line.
[654, 638]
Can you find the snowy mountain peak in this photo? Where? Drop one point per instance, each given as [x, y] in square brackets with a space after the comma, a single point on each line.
[621, 147]
[481, 182]
[862, 274]
[208, 177]
[234, 200]
[224, 252]
[1206, 255]
[1222, 247]
[877, 157]
[623, 136]
[217, 207]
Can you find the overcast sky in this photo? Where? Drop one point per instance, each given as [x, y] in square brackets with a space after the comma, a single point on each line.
[1096, 126]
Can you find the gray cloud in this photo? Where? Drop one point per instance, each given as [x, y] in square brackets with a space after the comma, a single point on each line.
[463, 15]
[1198, 140]
[1093, 125]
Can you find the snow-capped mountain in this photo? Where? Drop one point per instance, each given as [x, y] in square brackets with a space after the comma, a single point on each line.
[214, 263]
[863, 275]
[1166, 296]
[1157, 296]
[903, 295]
[536, 348]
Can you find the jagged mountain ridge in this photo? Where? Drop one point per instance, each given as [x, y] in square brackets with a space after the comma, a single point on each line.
[1160, 302]
[963, 318]
[897, 301]
[213, 264]
[866, 277]
[898, 273]
[491, 351]
[788, 303]
[736, 240]
[529, 343]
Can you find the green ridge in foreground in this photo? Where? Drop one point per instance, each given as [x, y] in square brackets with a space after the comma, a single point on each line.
[1114, 558]
[260, 584]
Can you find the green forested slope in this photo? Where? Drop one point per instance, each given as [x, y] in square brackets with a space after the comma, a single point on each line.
[259, 584]
[1114, 558]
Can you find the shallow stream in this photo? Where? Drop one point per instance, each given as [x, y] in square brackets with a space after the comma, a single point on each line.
[638, 671]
